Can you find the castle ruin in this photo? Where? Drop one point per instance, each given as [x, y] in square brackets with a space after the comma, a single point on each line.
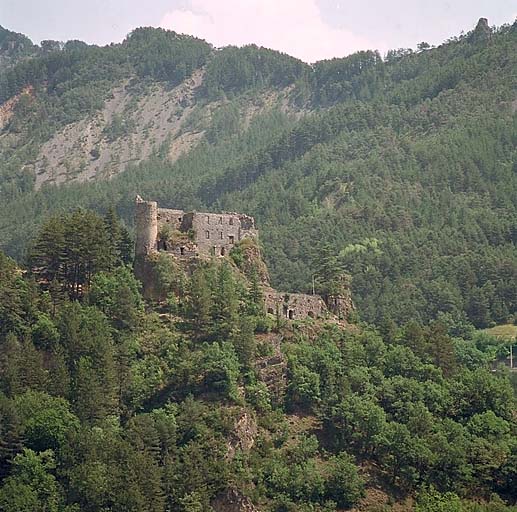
[190, 235]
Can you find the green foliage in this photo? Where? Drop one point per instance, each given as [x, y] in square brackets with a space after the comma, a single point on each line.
[131, 410]
[71, 248]
[344, 485]
[117, 295]
[367, 168]
[31, 487]
[432, 501]
[16, 306]
[224, 124]
[165, 55]
[14, 46]
[357, 76]
[233, 70]
[46, 420]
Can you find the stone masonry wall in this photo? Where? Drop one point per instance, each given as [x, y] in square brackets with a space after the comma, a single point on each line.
[146, 213]
[216, 234]
[169, 217]
[294, 306]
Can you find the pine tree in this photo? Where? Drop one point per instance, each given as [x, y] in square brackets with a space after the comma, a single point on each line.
[11, 363]
[113, 231]
[46, 256]
[255, 296]
[59, 375]
[244, 342]
[70, 249]
[11, 435]
[226, 303]
[200, 303]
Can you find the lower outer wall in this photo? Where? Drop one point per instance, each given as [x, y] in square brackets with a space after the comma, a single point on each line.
[295, 306]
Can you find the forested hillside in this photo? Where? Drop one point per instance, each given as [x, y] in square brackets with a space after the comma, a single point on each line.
[205, 403]
[395, 172]
[399, 170]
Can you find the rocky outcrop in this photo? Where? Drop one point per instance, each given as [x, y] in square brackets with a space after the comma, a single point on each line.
[7, 108]
[252, 260]
[232, 500]
[242, 437]
[482, 32]
[340, 305]
[272, 370]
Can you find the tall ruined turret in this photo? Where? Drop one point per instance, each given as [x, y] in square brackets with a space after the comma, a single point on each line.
[146, 221]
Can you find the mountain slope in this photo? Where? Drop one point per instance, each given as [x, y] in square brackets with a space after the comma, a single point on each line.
[413, 154]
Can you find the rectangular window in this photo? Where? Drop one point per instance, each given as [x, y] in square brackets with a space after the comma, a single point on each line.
[208, 219]
[221, 235]
[232, 239]
[220, 220]
[208, 235]
[231, 221]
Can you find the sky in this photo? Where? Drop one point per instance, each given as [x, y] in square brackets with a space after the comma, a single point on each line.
[308, 29]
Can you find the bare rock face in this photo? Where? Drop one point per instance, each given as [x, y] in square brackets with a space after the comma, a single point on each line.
[243, 435]
[272, 370]
[127, 130]
[7, 108]
[483, 26]
[253, 260]
[233, 500]
[340, 305]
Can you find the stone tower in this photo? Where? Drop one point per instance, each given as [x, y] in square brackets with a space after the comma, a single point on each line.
[146, 220]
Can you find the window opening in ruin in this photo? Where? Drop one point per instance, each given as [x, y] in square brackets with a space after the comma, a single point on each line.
[208, 219]
[310, 314]
[221, 235]
[285, 310]
[165, 246]
[208, 235]
[223, 251]
[220, 220]
[180, 219]
[232, 239]
[291, 314]
[231, 221]
[182, 251]
[270, 311]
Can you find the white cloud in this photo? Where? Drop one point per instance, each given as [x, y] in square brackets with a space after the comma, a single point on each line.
[292, 26]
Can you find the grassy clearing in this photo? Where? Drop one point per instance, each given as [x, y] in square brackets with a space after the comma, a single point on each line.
[505, 331]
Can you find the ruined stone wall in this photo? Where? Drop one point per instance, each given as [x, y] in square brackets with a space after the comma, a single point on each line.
[146, 219]
[295, 306]
[213, 233]
[217, 233]
[171, 218]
